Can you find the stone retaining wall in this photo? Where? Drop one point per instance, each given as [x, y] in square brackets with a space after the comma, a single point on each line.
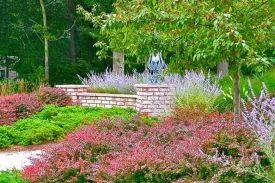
[150, 99]
[74, 90]
[153, 99]
[107, 100]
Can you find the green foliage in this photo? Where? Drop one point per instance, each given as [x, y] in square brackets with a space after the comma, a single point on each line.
[54, 122]
[225, 101]
[231, 176]
[196, 99]
[21, 35]
[204, 32]
[195, 90]
[6, 136]
[11, 177]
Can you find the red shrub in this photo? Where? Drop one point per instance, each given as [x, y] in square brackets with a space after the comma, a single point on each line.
[55, 96]
[123, 151]
[17, 106]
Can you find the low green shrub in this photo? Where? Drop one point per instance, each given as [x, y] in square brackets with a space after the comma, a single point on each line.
[6, 136]
[11, 177]
[54, 122]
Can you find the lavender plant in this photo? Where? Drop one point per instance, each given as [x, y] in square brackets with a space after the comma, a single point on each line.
[259, 116]
[193, 90]
[261, 119]
[111, 82]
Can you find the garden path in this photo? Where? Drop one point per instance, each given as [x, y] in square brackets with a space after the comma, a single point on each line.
[17, 160]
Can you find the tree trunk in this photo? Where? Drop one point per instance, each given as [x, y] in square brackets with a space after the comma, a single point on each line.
[7, 69]
[118, 62]
[72, 13]
[237, 97]
[222, 69]
[46, 41]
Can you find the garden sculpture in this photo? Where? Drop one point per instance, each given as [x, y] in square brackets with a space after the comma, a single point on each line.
[155, 66]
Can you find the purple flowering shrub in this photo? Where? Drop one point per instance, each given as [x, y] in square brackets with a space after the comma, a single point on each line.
[260, 117]
[194, 90]
[110, 82]
[191, 90]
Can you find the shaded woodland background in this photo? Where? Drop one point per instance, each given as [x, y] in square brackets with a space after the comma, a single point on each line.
[71, 39]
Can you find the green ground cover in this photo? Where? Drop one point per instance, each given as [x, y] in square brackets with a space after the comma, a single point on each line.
[11, 177]
[53, 123]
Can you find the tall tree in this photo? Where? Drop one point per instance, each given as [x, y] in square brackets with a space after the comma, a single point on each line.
[46, 40]
[72, 17]
[202, 32]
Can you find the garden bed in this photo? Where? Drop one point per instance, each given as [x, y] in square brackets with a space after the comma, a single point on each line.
[53, 123]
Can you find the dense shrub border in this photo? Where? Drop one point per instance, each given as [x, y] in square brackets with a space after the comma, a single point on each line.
[173, 150]
[19, 106]
[54, 122]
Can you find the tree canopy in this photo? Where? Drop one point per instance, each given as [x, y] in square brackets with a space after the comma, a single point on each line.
[205, 32]
[22, 33]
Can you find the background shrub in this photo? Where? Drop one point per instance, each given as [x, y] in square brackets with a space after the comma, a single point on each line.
[18, 106]
[225, 100]
[54, 96]
[9, 86]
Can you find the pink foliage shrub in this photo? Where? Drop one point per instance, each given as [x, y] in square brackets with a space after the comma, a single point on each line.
[17, 106]
[54, 96]
[135, 152]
